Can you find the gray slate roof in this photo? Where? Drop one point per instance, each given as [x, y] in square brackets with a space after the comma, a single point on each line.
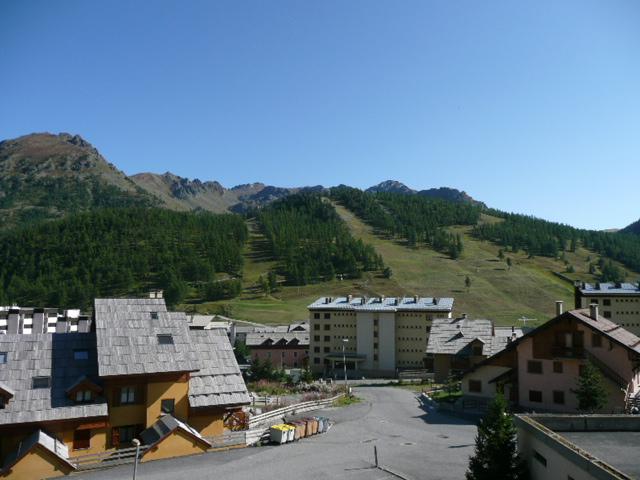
[453, 336]
[163, 427]
[127, 338]
[387, 304]
[218, 381]
[46, 355]
[260, 339]
[608, 329]
[38, 437]
[610, 288]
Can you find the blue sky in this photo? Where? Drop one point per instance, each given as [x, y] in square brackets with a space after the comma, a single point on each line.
[531, 107]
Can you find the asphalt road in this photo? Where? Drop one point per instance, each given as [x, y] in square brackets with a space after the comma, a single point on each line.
[413, 440]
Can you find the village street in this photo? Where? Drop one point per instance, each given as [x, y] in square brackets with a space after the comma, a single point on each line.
[413, 440]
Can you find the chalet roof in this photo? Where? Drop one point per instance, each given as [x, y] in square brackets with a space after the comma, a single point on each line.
[166, 425]
[453, 336]
[218, 381]
[46, 355]
[56, 447]
[128, 342]
[385, 304]
[300, 339]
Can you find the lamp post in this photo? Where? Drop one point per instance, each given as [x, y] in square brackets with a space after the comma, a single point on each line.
[344, 365]
[136, 443]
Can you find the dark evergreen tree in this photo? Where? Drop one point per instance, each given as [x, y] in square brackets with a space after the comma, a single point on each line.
[496, 455]
[591, 392]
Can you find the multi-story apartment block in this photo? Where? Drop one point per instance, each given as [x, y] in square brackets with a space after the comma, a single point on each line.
[618, 302]
[379, 335]
[539, 371]
[137, 369]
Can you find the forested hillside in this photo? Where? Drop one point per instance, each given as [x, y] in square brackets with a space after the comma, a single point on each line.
[118, 252]
[311, 243]
[540, 237]
[416, 219]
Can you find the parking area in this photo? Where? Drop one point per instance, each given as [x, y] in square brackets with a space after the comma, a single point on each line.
[412, 440]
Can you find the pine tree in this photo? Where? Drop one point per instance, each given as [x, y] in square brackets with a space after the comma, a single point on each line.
[591, 392]
[496, 455]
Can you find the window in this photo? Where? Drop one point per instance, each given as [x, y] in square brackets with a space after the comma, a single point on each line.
[3, 403]
[316, 349]
[316, 338]
[477, 350]
[127, 395]
[327, 338]
[535, 396]
[3, 357]
[607, 314]
[316, 360]
[326, 349]
[540, 458]
[165, 339]
[83, 396]
[316, 316]
[375, 357]
[557, 367]
[375, 345]
[327, 327]
[558, 397]
[316, 326]
[375, 334]
[81, 439]
[596, 340]
[154, 315]
[327, 316]
[534, 366]
[168, 405]
[81, 354]
[475, 386]
[606, 302]
[428, 329]
[41, 382]
[295, 354]
[123, 435]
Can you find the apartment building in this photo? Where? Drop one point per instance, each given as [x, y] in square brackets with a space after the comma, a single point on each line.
[23, 320]
[539, 371]
[138, 369]
[379, 335]
[618, 302]
[457, 344]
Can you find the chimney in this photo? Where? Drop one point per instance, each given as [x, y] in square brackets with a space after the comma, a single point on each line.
[349, 297]
[62, 325]
[435, 300]
[84, 326]
[152, 294]
[39, 322]
[593, 311]
[559, 307]
[415, 299]
[597, 285]
[13, 321]
[382, 299]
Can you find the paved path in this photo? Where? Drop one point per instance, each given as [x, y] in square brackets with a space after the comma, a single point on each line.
[412, 439]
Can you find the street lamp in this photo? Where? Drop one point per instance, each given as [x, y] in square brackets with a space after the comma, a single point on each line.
[344, 364]
[136, 443]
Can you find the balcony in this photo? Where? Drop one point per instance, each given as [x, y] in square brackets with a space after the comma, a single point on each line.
[567, 352]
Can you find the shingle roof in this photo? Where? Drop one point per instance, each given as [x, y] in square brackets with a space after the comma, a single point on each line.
[300, 339]
[610, 288]
[218, 380]
[56, 447]
[609, 329]
[387, 304]
[127, 338]
[164, 426]
[454, 336]
[46, 355]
